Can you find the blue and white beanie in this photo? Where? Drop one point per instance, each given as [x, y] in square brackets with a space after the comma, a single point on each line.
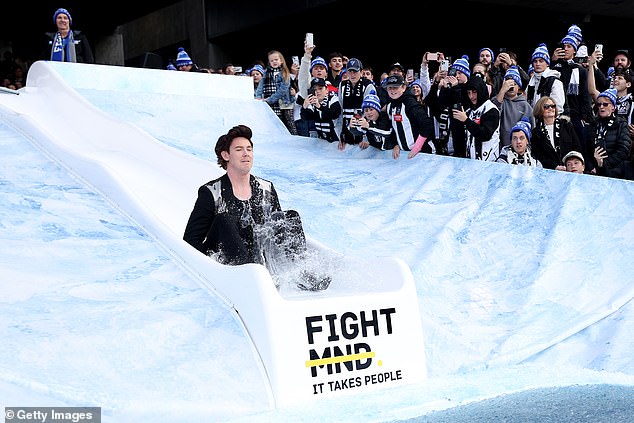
[523, 125]
[371, 100]
[570, 39]
[170, 66]
[424, 90]
[182, 58]
[582, 51]
[541, 52]
[65, 12]
[610, 94]
[611, 71]
[257, 67]
[489, 50]
[318, 61]
[462, 65]
[575, 31]
[514, 73]
[530, 69]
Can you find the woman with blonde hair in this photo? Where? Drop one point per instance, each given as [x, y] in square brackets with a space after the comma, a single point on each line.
[553, 135]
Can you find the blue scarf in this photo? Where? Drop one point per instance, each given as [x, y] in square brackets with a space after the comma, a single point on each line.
[63, 48]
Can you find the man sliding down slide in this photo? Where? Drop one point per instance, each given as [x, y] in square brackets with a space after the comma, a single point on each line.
[238, 219]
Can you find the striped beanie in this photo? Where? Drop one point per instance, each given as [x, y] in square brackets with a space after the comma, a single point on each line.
[541, 52]
[65, 12]
[610, 94]
[257, 67]
[182, 58]
[514, 74]
[462, 65]
[371, 100]
[570, 39]
[318, 61]
[523, 125]
[575, 32]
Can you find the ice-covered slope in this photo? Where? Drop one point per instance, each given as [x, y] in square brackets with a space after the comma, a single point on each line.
[516, 269]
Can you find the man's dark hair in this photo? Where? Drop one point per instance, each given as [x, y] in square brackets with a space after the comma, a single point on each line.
[224, 142]
[334, 54]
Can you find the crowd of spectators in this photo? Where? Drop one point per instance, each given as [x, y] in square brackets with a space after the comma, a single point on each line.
[491, 108]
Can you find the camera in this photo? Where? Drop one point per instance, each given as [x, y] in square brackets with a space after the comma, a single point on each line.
[581, 60]
[358, 114]
[432, 57]
[502, 49]
[457, 106]
[444, 65]
[452, 72]
[311, 91]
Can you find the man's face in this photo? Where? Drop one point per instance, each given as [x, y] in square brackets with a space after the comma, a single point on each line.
[336, 63]
[575, 165]
[62, 22]
[519, 142]
[621, 62]
[354, 75]
[473, 96]
[366, 73]
[240, 156]
[539, 65]
[569, 51]
[620, 83]
[485, 57]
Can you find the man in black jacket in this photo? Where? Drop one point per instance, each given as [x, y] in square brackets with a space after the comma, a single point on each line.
[238, 217]
[67, 45]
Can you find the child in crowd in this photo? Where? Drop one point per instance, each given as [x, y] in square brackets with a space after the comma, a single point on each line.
[411, 124]
[352, 91]
[322, 106]
[375, 125]
[274, 87]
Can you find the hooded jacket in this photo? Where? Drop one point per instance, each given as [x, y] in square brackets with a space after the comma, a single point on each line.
[483, 122]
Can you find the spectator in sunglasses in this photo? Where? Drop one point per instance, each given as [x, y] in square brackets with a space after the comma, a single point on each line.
[608, 139]
[553, 136]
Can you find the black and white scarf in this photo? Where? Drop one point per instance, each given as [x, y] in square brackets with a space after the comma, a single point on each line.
[516, 159]
[602, 129]
[556, 133]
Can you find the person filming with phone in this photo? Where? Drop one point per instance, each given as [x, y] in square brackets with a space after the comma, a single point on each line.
[322, 106]
[446, 93]
[578, 102]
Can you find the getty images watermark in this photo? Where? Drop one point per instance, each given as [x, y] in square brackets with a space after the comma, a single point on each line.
[52, 414]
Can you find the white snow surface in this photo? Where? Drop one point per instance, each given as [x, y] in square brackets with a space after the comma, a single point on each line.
[524, 276]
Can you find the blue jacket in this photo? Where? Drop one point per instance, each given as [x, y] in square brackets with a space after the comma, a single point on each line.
[282, 91]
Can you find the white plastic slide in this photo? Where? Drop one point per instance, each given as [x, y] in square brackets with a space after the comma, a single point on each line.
[312, 345]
